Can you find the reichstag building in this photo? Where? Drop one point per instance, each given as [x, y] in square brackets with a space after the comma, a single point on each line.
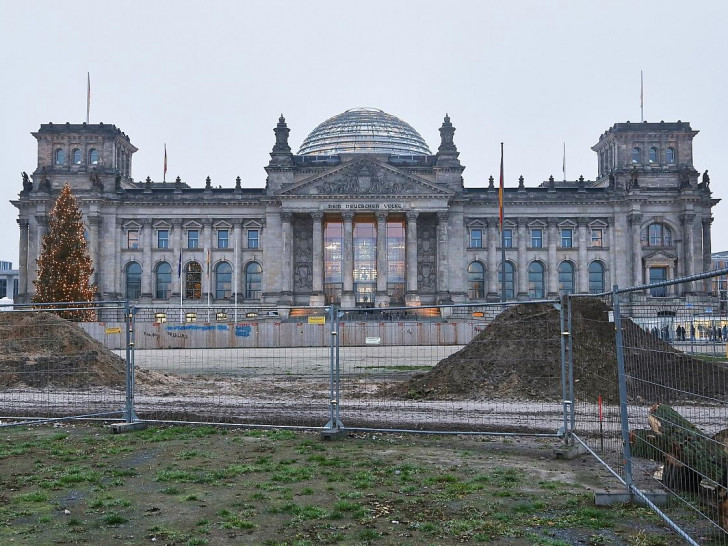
[366, 215]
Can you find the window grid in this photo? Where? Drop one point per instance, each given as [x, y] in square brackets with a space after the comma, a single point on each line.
[536, 238]
[476, 238]
[132, 238]
[193, 238]
[567, 238]
[253, 238]
[163, 238]
[223, 238]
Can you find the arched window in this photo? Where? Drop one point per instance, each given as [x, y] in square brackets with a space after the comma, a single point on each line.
[510, 280]
[653, 155]
[76, 156]
[476, 280]
[60, 156]
[253, 280]
[223, 280]
[133, 281]
[193, 281]
[162, 281]
[635, 155]
[659, 235]
[670, 155]
[566, 278]
[93, 156]
[596, 277]
[535, 280]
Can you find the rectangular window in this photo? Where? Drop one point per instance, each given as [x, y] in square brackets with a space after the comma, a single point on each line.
[132, 238]
[567, 238]
[162, 238]
[507, 239]
[597, 237]
[15, 287]
[536, 238]
[658, 274]
[253, 238]
[193, 238]
[3, 288]
[476, 238]
[222, 238]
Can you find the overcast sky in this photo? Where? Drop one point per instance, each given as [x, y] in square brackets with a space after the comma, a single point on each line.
[210, 79]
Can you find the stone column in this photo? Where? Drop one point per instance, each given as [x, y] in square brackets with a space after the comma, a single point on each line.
[93, 250]
[177, 244]
[707, 244]
[552, 288]
[411, 298]
[635, 223]
[687, 221]
[287, 253]
[522, 260]
[610, 275]
[381, 298]
[347, 296]
[317, 298]
[492, 257]
[582, 285]
[237, 260]
[146, 258]
[23, 258]
[443, 281]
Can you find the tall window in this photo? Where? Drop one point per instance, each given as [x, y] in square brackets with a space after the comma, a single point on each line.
[510, 280]
[253, 278]
[133, 281]
[476, 238]
[596, 277]
[60, 156]
[535, 280]
[3, 288]
[365, 261]
[658, 274]
[536, 238]
[193, 238]
[162, 281]
[635, 155]
[193, 281]
[566, 278]
[333, 260]
[223, 238]
[76, 156]
[93, 156]
[396, 263]
[659, 235]
[507, 238]
[653, 155]
[597, 237]
[132, 238]
[476, 280]
[253, 238]
[670, 155]
[162, 238]
[567, 238]
[223, 280]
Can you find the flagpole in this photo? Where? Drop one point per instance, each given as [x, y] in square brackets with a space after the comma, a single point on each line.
[208, 286]
[235, 274]
[563, 166]
[88, 96]
[642, 98]
[179, 276]
[502, 231]
[164, 174]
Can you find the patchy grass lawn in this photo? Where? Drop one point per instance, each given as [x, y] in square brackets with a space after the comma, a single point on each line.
[204, 485]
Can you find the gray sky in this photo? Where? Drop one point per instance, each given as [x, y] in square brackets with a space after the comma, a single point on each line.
[211, 78]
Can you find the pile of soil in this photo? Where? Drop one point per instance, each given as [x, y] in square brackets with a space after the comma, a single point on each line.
[41, 349]
[518, 356]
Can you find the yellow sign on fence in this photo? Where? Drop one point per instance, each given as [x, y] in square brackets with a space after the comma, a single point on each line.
[317, 320]
[115, 330]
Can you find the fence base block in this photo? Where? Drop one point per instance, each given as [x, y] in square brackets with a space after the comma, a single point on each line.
[121, 428]
[569, 452]
[333, 434]
[607, 497]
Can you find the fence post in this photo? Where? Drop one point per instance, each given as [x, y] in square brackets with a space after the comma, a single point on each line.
[334, 424]
[570, 362]
[565, 401]
[129, 314]
[623, 411]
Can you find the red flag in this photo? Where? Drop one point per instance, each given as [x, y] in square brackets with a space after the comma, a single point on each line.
[164, 176]
[500, 192]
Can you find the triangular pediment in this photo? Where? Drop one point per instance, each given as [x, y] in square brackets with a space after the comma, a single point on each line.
[365, 177]
[659, 256]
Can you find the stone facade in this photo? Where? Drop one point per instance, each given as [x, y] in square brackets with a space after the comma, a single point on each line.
[646, 217]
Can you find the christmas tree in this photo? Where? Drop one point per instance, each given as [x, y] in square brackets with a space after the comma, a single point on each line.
[64, 265]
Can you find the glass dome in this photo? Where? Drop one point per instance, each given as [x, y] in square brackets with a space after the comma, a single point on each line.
[364, 131]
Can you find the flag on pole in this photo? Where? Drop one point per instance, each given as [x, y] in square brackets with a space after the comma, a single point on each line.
[500, 193]
[563, 164]
[642, 98]
[88, 96]
[164, 176]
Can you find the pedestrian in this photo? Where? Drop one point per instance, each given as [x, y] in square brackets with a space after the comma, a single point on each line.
[692, 332]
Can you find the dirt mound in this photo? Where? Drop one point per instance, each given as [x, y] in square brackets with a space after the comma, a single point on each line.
[518, 356]
[42, 349]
